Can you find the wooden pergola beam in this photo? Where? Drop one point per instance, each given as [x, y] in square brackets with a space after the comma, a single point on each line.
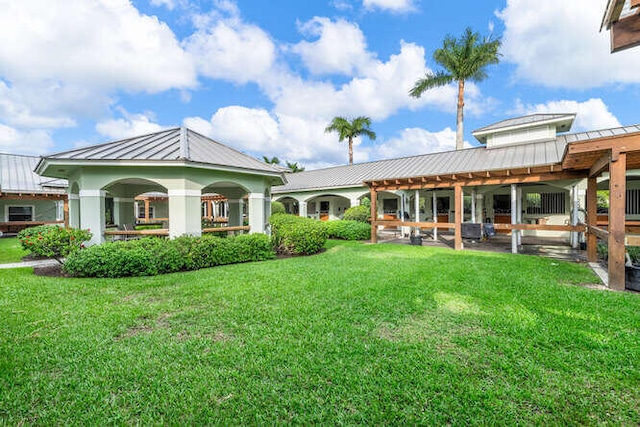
[592, 217]
[625, 33]
[600, 165]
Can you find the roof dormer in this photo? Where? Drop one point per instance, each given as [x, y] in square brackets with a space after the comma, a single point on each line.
[522, 130]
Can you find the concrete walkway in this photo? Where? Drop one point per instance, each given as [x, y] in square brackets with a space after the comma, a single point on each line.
[24, 264]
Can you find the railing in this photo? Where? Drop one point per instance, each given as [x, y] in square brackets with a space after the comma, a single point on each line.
[229, 230]
[17, 226]
[164, 232]
[429, 225]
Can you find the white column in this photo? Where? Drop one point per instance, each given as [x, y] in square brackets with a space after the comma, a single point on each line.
[92, 214]
[479, 207]
[235, 212]
[473, 206]
[74, 211]
[575, 205]
[302, 209]
[514, 218]
[184, 213]
[519, 213]
[434, 210]
[256, 213]
[124, 211]
[417, 208]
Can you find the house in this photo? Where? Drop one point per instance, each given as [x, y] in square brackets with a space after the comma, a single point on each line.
[622, 19]
[26, 198]
[531, 176]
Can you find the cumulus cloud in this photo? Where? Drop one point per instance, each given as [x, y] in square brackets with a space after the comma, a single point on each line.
[34, 142]
[129, 125]
[591, 114]
[396, 6]
[340, 47]
[416, 141]
[225, 47]
[557, 44]
[94, 43]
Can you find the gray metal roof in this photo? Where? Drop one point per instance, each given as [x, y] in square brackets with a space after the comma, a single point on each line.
[168, 145]
[479, 159]
[17, 176]
[525, 120]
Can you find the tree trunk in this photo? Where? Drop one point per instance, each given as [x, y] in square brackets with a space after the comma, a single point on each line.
[460, 118]
[350, 151]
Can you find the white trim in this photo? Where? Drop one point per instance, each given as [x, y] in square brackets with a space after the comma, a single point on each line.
[256, 196]
[123, 200]
[74, 197]
[234, 200]
[183, 192]
[92, 193]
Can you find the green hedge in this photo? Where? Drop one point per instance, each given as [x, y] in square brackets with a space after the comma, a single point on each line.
[151, 256]
[277, 208]
[357, 213]
[348, 230]
[297, 235]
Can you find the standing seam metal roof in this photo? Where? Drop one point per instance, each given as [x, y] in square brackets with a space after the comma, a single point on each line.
[478, 159]
[17, 176]
[167, 145]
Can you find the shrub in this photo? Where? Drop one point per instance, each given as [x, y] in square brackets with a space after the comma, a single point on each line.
[348, 230]
[150, 256]
[357, 213]
[52, 241]
[296, 235]
[277, 208]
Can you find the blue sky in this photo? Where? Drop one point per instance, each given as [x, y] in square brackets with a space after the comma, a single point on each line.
[267, 77]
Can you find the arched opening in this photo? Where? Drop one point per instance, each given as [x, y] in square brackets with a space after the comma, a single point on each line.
[327, 207]
[291, 205]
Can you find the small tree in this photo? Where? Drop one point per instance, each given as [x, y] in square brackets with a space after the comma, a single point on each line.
[277, 208]
[294, 167]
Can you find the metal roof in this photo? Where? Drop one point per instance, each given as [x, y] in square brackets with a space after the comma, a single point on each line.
[525, 120]
[168, 145]
[17, 176]
[479, 159]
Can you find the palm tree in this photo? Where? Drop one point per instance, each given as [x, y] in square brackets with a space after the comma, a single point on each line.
[463, 59]
[294, 167]
[272, 161]
[351, 129]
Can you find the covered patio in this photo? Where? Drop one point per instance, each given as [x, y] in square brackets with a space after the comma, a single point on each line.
[586, 156]
[177, 162]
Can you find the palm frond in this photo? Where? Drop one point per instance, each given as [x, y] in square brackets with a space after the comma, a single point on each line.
[430, 81]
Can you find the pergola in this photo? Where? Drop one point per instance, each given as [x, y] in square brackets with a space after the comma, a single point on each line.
[587, 156]
[178, 162]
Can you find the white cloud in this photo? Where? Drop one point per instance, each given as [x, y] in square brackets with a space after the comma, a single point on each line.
[591, 114]
[416, 141]
[227, 48]
[557, 44]
[100, 44]
[340, 48]
[396, 6]
[35, 142]
[129, 125]
[169, 4]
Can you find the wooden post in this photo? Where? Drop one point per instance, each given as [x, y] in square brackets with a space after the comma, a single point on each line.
[434, 210]
[65, 211]
[374, 215]
[458, 217]
[146, 210]
[514, 218]
[592, 216]
[617, 190]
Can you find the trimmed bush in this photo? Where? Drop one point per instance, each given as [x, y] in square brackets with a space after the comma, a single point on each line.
[292, 234]
[277, 208]
[348, 230]
[52, 241]
[357, 213]
[151, 256]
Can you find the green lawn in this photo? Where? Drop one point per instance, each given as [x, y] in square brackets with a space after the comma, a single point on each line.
[361, 334]
[10, 250]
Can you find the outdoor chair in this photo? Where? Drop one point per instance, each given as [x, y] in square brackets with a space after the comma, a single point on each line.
[488, 230]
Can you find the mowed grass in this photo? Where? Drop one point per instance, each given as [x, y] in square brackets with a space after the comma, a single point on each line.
[360, 334]
[11, 251]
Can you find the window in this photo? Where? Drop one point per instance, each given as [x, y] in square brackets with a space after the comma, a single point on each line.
[442, 205]
[141, 212]
[20, 213]
[633, 201]
[545, 203]
[501, 203]
[324, 206]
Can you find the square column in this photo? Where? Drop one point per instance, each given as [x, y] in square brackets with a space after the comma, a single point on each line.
[514, 218]
[235, 212]
[184, 213]
[302, 211]
[92, 214]
[617, 201]
[257, 213]
[74, 211]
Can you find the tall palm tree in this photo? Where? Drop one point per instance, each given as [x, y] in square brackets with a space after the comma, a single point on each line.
[351, 129]
[463, 59]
